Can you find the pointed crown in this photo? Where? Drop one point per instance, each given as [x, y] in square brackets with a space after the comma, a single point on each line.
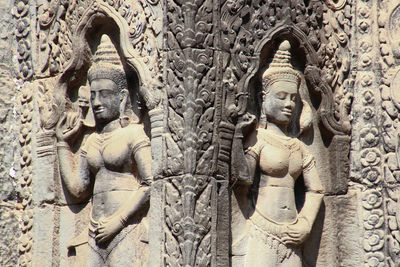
[280, 68]
[107, 64]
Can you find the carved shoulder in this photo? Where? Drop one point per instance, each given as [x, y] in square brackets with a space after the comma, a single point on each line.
[137, 137]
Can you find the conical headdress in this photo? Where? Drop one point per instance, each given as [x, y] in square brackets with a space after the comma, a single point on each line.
[280, 68]
[107, 64]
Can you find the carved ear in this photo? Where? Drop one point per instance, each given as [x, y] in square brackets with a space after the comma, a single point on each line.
[263, 95]
[305, 117]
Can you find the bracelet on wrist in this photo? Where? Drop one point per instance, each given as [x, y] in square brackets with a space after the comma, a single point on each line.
[62, 144]
[123, 221]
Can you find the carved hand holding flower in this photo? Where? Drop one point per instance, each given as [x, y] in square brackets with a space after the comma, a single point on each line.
[244, 124]
[68, 126]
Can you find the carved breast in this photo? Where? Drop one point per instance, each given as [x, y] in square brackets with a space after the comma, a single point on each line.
[280, 157]
[111, 150]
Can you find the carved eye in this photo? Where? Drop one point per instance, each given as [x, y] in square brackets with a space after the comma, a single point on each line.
[205, 95]
[177, 229]
[203, 136]
[203, 58]
[281, 96]
[179, 100]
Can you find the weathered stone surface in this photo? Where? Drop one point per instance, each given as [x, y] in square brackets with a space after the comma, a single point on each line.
[336, 237]
[9, 232]
[194, 72]
[9, 132]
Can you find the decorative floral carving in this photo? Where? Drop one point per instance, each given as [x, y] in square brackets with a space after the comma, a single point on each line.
[22, 34]
[371, 199]
[368, 113]
[388, 14]
[191, 91]
[58, 22]
[371, 175]
[26, 224]
[373, 220]
[375, 259]
[369, 137]
[366, 81]
[364, 27]
[370, 157]
[188, 224]
[373, 240]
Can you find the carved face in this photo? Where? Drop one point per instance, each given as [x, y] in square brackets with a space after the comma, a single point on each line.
[105, 100]
[279, 102]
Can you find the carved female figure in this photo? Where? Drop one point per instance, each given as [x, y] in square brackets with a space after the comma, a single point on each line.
[276, 228]
[114, 166]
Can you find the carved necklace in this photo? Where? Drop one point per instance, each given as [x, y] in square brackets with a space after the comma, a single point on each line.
[285, 141]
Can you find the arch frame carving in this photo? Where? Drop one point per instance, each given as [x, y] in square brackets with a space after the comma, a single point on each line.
[145, 66]
[312, 74]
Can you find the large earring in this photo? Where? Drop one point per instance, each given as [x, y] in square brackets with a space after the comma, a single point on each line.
[305, 117]
[263, 120]
[124, 121]
[123, 118]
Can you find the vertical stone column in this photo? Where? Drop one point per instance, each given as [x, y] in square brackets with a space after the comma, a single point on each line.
[367, 158]
[386, 219]
[195, 197]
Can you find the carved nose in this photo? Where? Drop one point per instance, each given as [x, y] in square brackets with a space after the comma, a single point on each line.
[289, 103]
[95, 101]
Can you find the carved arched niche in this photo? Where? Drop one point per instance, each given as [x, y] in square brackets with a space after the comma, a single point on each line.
[102, 19]
[137, 39]
[330, 128]
[318, 95]
[327, 138]
[72, 93]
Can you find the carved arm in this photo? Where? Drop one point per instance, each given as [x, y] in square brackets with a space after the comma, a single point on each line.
[314, 194]
[137, 200]
[75, 176]
[244, 163]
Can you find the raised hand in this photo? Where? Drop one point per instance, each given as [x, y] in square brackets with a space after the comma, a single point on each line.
[68, 126]
[244, 123]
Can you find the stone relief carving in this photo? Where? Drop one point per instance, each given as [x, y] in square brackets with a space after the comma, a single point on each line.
[191, 89]
[25, 104]
[207, 56]
[59, 21]
[23, 36]
[275, 228]
[324, 34]
[388, 173]
[113, 165]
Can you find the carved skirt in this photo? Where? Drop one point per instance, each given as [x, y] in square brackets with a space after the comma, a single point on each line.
[264, 247]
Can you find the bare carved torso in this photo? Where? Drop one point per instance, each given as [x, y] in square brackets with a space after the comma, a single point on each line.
[281, 161]
[110, 157]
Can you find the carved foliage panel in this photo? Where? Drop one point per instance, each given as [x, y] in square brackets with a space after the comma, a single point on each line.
[188, 220]
[191, 82]
[388, 27]
[376, 164]
[59, 21]
[23, 34]
[191, 87]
